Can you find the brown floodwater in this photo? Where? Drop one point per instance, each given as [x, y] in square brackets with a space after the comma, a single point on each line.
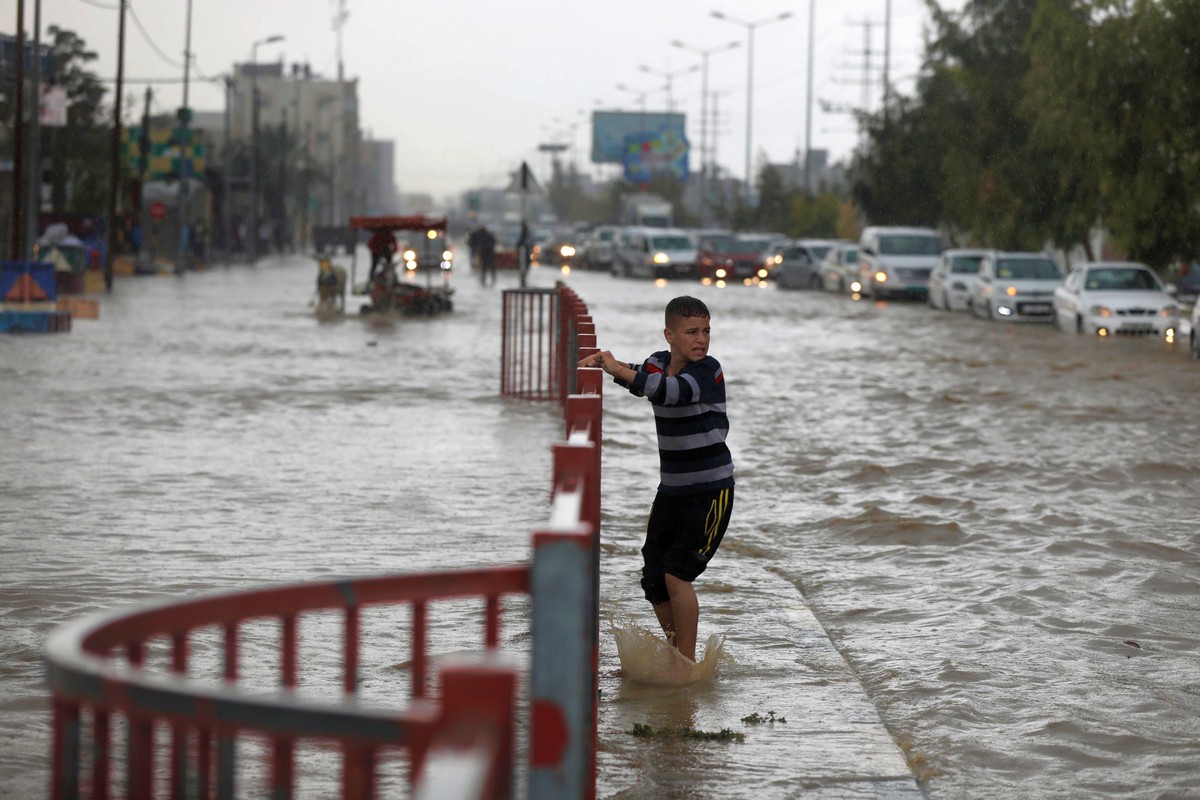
[996, 523]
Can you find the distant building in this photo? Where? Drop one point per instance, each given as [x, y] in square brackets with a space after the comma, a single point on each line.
[322, 114]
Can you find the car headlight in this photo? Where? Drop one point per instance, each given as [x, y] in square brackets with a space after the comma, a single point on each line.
[1169, 311]
[410, 255]
[721, 273]
[762, 273]
[567, 251]
[881, 277]
[661, 258]
[447, 255]
[1100, 311]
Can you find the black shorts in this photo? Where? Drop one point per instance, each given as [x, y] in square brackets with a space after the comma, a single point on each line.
[682, 535]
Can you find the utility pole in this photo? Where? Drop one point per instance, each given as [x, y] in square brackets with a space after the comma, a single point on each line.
[226, 168]
[185, 146]
[887, 57]
[18, 144]
[115, 160]
[808, 99]
[34, 205]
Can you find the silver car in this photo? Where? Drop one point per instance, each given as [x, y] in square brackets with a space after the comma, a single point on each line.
[953, 279]
[1016, 287]
[839, 269]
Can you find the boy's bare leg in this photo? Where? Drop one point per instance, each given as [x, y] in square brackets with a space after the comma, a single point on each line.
[666, 619]
[685, 614]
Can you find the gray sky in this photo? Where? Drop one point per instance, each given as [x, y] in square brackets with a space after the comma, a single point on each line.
[467, 89]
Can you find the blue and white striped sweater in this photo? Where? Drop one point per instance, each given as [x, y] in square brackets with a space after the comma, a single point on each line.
[689, 416]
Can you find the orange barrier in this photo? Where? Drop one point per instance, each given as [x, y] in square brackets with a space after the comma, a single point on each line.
[460, 742]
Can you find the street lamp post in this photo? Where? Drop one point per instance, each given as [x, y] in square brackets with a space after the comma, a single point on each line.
[808, 148]
[704, 53]
[254, 141]
[668, 75]
[750, 26]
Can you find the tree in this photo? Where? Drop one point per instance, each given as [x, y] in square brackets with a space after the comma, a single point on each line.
[79, 152]
[1115, 84]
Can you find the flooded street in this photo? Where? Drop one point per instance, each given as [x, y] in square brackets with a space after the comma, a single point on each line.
[996, 524]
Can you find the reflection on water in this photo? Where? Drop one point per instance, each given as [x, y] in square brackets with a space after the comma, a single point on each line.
[995, 522]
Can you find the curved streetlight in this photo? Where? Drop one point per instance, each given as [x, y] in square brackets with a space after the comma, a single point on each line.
[669, 76]
[254, 140]
[750, 26]
[704, 53]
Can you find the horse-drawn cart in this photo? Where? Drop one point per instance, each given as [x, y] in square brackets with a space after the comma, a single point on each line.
[394, 282]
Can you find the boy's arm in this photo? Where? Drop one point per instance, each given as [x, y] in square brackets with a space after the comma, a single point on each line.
[624, 373]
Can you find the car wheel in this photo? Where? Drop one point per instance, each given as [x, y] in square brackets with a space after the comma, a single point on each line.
[814, 283]
[1079, 324]
[991, 312]
[1195, 345]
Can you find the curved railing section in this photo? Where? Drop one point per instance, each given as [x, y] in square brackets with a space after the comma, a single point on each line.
[179, 734]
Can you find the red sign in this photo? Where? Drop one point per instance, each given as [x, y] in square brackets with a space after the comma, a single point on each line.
[158, 210]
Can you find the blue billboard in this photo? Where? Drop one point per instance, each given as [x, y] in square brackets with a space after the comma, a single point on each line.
[644, 143]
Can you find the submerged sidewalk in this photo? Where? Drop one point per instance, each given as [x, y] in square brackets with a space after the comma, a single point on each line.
[832, 745]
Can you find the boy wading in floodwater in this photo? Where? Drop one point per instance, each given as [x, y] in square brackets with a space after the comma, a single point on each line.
[695, 496]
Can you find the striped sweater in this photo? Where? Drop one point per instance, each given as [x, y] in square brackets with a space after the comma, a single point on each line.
[689, 416]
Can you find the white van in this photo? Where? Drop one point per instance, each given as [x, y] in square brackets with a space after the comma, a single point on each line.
[897, 260]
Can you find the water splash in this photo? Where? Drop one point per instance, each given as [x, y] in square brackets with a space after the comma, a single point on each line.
[646, 657]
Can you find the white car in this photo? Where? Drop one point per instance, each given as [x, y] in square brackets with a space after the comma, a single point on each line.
[1195, 336]
[655, 253]
[897, 261]
[839, 269]
[953, 279]
[1120, 298]
[1016, 287]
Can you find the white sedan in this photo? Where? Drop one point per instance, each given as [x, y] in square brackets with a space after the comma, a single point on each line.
[1115, 298]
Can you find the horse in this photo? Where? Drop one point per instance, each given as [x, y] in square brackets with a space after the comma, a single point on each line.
[331, 286]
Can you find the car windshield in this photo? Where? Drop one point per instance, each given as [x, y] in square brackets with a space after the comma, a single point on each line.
[1027, 269]
[733, 245]
[910, 245]
[819, 250]
[606, 236]
[672, 243]
[749, 244]
[850, 255]
[965, 265]
[1119, 279]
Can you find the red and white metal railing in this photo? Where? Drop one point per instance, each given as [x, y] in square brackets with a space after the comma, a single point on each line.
[459, 745]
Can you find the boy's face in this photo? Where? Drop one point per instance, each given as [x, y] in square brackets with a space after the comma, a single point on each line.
[689, 337]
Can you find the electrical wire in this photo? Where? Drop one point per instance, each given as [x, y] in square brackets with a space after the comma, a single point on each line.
[104, 6]
[149, 41]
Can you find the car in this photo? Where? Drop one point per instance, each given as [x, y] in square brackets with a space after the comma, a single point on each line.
[1115, 298]
[557, 250]
[598, 248]
[953, 278]
[730, 257]
[839, 269]
[792, 266]
[655, 253]
[1015, 287]
[1194, 335]
[1186, 287]
[897, 261]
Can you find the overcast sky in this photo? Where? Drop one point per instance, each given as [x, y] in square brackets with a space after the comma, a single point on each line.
[468, 88]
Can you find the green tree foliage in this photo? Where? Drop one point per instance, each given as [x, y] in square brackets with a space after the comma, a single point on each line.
[1034, 119]
[1115, 88]
[79, 153]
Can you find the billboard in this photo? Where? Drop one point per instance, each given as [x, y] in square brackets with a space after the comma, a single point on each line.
[645, 143]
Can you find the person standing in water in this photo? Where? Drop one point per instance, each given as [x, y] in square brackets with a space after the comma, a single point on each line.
[694, 501]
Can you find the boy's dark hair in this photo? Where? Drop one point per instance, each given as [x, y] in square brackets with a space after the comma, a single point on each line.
[684, 307]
